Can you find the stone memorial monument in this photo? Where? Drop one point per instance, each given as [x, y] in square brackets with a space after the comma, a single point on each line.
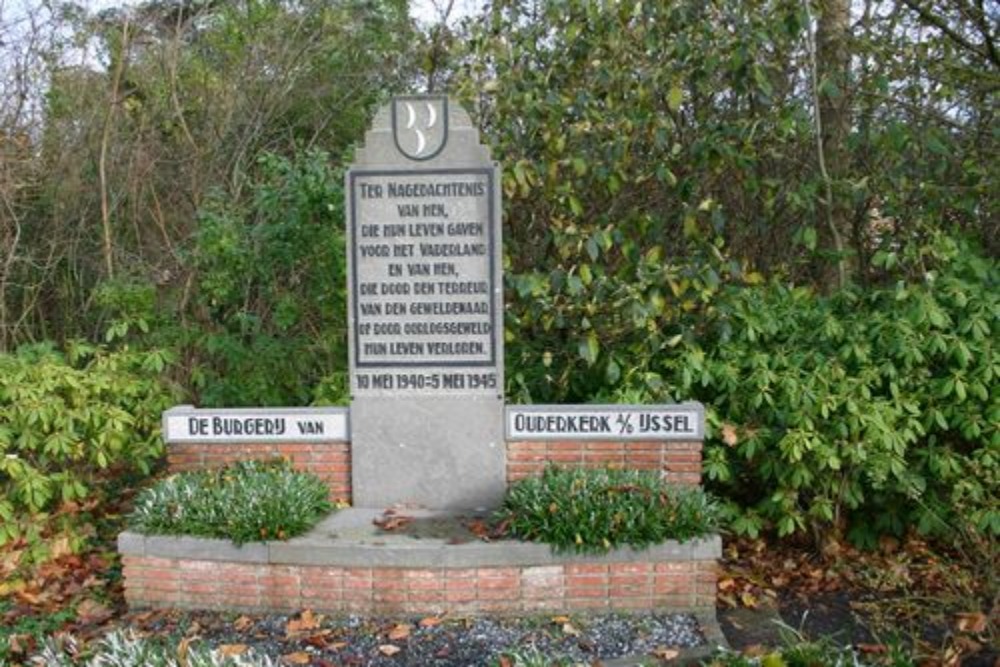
[425, 311]
[427, 427]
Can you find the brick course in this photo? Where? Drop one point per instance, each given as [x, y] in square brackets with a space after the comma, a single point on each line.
[679, 461]
[152, 582]
[330, 461]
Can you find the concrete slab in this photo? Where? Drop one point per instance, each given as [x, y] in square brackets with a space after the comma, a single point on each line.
[350, 538]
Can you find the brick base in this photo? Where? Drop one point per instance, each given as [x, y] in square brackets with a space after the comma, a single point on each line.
[153, 582]
[679, 461]
[330, 461]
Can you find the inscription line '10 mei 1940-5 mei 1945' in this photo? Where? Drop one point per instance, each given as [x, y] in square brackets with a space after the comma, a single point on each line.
[424, 279]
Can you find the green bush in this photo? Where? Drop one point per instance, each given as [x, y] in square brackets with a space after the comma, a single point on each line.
[590, 510]
[67, 418]
[244, 502]
[865, 411]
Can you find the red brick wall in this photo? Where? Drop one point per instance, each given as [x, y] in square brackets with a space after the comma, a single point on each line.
[330, 461]
[168, 583]
[681, 461]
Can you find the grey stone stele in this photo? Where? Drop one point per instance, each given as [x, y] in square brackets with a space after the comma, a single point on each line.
[439, 451]
[349, 538]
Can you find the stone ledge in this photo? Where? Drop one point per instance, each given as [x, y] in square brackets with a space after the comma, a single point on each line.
[349, 538]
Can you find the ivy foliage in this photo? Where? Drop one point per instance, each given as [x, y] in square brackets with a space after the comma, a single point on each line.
[596, 510]
[68, 419]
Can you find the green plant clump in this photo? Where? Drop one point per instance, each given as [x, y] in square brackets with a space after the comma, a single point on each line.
[66, 421]
[124, 649]
[866, 413]
[244, 502]
[596, 510]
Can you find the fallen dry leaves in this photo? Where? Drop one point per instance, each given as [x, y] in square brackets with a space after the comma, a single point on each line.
[392, 520]
[389, 650]
[399, 632]
[305, 624]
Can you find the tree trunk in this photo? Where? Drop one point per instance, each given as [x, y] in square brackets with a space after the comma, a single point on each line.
[833, 60]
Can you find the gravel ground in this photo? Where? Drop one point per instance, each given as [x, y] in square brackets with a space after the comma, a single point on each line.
[450, 642]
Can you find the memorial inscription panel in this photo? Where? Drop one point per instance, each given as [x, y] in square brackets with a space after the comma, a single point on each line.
[423, 275]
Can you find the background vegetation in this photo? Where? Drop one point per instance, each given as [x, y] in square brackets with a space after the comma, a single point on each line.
[785, 209]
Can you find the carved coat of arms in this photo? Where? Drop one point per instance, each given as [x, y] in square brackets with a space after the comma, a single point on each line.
[420, 125]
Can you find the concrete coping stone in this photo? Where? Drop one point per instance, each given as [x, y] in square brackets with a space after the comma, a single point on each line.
[349, 539]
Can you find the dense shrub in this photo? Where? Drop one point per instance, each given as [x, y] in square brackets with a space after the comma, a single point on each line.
[592, 510]
[65, 418]
[870, 411]
[244, 502]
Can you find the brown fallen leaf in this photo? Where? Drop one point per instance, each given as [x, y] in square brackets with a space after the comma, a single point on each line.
[242, 624]
[560, 619]
[296, 658]
[872, 649]
[570, 629]
[399, 632]
[319, 639]
[228, 650]
[389, 650]
[665, 653]
[430, 621]
[505, 661]
[390, 521]
[92, 612]
[305, 623]
[20, 644]
[972, 621]
[183, 648]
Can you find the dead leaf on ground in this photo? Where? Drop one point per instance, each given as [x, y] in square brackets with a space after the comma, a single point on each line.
[973, 621]
[872, 649]
[92, 612]
[389, 650]
[570, 629]
[228, 650]
[297, 658]
[243, 623]
[305, 623]
[665, 653]
[60, 547]
[183, 648]
[430, 621]
[399, 632]
[392, 521]
[505, 661]
[20, 644]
